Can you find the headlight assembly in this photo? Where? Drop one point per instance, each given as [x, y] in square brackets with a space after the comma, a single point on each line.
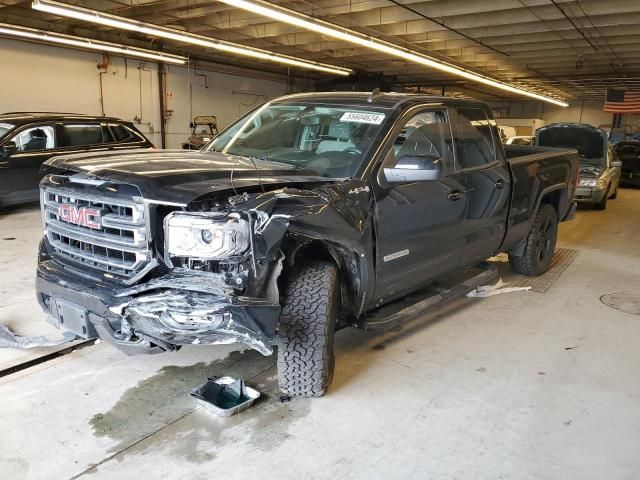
[601, 184]
[587, 182]
[205, 237]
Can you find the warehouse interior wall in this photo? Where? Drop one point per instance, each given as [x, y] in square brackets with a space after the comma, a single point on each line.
[45, 78]
[580, 111]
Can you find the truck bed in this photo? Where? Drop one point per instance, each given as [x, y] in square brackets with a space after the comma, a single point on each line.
[539, 174]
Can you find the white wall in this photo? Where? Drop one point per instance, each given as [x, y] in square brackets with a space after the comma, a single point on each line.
[46, 78]
[227, 97]
[587, 111]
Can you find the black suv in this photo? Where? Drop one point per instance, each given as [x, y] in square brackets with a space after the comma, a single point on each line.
[28, 139]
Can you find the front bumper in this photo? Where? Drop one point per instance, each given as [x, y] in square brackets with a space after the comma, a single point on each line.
[589, 195]
[159, 315]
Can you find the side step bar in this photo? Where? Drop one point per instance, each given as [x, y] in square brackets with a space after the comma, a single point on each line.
[433, 295]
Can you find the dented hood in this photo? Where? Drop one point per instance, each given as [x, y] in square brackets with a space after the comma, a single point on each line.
[181, 176]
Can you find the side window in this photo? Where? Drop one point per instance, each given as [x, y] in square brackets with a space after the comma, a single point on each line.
[85, 134]
[35, 138]
[119, 132]
[474, 144]
[424, 142]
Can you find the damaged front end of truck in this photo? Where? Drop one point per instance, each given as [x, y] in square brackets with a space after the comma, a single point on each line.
[213, 267]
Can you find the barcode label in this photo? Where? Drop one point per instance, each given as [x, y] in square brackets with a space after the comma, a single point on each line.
[362, 117]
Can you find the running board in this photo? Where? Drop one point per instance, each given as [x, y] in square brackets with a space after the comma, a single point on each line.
[434, 295]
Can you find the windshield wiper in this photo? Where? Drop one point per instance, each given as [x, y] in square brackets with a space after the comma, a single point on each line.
[266, 158]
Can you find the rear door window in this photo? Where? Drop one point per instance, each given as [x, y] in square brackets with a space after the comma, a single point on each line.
[475, 145]
[41, 137]
[84, 134]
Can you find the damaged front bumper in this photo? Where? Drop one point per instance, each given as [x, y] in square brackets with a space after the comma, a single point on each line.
[180, 308]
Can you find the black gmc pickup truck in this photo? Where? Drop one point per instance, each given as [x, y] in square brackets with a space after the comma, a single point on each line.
[312, 212]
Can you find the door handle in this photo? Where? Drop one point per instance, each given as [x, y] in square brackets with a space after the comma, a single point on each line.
[456, 195]
[500, 184]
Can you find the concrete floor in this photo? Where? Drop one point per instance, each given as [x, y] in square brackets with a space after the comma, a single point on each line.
[517, 386]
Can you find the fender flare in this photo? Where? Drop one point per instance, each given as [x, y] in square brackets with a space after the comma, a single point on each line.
[518, 250]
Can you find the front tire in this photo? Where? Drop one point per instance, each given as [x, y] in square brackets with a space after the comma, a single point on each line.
[540, 244]
[307, 325]
[602, 204]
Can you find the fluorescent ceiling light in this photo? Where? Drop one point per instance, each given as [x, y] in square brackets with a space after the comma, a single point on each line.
[86, 43]
[351, 36]
[93, 16]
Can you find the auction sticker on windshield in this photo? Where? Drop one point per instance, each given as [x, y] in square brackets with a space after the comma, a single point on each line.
[362, 117]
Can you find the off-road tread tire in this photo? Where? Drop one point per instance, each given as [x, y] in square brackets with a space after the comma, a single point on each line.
[528, 264]
[307, 325]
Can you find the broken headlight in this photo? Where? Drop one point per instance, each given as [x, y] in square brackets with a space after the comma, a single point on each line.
[205, 237]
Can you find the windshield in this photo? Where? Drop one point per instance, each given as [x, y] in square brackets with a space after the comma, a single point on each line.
[4, 128]
[589, 143]
[332, 141]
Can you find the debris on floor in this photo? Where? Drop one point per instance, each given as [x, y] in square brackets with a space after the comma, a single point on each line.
[8, 339]
[225, 396]
[498, 288]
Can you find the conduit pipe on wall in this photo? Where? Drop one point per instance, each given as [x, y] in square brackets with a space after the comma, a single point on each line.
[103, 68]
[162, 92]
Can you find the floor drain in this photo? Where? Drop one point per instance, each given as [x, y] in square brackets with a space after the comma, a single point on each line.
[622, 301]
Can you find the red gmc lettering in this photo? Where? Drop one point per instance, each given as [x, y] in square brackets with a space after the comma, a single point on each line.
[84, 216]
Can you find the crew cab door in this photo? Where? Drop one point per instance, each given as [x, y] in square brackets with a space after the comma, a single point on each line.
[418, 224]
[487, 179]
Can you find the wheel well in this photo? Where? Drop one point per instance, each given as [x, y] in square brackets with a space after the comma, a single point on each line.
[348, 276]
[554, 198]
[314, 250]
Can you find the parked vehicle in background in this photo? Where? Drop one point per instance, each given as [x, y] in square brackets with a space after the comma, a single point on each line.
[621, 133]
[29, 139]
[505, 131]
[520, 140]
[599, 167]
[198, 139]
[310, 213]
[629, 155]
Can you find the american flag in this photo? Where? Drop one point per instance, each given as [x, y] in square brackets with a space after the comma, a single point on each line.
[622, 101]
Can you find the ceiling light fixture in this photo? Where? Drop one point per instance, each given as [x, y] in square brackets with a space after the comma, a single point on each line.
[331, 30]
[93, 16]
[87, 43]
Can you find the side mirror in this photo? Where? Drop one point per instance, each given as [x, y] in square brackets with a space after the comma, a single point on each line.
[10, 148]
[616, 163]
[414, 168]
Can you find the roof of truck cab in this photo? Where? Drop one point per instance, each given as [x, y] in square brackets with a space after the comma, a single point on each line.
[381, 100]
[21, 118]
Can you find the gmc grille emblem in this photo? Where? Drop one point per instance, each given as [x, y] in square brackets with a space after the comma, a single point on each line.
[84, 216]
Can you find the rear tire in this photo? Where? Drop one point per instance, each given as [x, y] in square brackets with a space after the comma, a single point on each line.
[540, 244]
[307, 325]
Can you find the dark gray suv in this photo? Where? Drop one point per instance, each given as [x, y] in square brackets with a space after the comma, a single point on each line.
[29, 139]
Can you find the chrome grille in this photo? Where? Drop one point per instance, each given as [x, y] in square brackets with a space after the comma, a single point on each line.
[120, 246]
